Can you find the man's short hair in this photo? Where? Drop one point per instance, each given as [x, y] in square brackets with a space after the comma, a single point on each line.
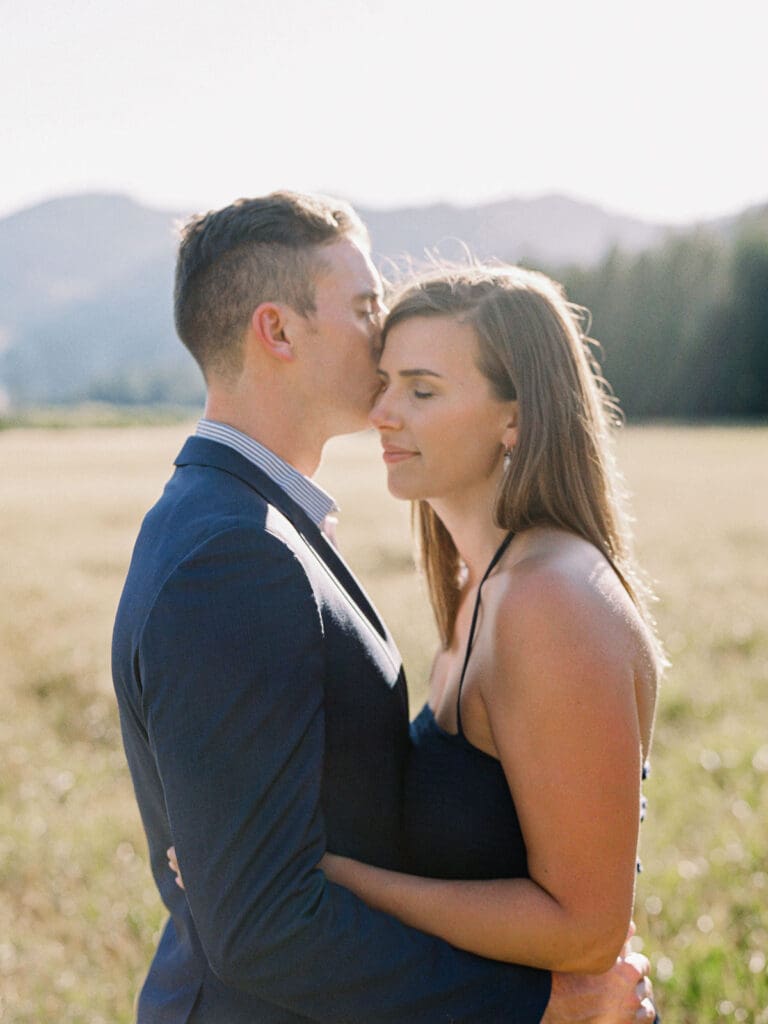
[255, 250]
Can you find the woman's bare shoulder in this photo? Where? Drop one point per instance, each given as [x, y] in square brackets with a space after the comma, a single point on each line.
[563, 627]
[558, 588]
[551, 565]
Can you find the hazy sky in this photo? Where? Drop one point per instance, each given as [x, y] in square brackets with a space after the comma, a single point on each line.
[655, 108]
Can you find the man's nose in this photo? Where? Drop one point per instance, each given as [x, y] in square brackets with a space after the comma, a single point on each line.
[376, 344]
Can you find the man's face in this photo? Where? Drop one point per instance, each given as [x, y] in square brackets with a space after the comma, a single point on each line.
[340, 344]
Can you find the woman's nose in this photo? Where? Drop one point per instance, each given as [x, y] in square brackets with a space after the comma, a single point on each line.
[383, 415]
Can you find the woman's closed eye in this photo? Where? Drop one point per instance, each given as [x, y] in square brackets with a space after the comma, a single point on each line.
[417, 391]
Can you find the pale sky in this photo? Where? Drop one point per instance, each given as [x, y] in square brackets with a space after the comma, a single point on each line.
[656, 109]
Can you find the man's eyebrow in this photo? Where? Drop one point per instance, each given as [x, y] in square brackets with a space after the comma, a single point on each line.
[371, 293]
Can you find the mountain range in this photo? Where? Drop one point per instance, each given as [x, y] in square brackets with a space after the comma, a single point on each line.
[86, 282]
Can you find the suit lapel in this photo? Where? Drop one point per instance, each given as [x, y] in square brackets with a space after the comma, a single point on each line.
[203, 452]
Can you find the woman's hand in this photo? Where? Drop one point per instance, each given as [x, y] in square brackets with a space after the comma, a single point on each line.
[331, 865]
[173, 864]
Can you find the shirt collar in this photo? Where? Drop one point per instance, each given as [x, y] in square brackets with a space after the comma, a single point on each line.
[312, 499]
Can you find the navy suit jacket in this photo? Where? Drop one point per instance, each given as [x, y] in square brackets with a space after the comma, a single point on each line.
[264, 715]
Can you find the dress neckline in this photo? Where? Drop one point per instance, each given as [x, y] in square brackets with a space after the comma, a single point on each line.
[454, 738]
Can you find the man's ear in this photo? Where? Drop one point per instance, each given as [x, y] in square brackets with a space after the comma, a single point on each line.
[268, 323]
[509, 438]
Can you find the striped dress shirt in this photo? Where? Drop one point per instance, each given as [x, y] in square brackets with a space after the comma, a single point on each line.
[313, 500]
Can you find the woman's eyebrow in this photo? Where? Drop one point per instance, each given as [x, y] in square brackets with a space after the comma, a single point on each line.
[419, 372]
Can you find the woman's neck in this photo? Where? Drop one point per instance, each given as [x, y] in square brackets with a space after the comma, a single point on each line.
[473, 531]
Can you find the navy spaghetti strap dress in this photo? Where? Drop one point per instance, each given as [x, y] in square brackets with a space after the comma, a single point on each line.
[459, 817]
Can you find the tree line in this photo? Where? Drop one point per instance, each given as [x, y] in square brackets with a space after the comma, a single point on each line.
[683, 329]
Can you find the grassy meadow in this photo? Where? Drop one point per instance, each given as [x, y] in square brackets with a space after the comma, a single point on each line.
[78, 912]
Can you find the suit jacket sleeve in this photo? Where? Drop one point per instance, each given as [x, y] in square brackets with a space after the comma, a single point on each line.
[231, 663]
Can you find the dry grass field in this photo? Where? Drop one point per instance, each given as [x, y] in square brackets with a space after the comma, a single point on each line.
[78, 913]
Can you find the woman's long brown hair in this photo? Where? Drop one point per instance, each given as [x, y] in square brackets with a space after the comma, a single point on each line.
[561, 471]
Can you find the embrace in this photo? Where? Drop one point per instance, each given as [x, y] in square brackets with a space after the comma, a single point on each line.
[332, 864]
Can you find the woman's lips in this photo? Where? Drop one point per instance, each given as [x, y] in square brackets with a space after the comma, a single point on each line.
[391, 455]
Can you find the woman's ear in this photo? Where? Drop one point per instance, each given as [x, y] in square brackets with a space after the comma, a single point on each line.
[509, 438]
[268, 324]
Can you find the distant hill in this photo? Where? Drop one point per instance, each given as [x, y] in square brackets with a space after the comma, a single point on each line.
[551, 231]
[85, 285]
[86, 282]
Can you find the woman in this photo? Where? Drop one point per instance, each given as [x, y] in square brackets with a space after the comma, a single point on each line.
[523, 795]
[527, 758]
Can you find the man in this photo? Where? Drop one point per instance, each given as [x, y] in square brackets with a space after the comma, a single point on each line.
[262, 700]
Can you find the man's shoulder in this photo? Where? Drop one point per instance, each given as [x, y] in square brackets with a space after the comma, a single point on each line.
[199, 502]
[207, 518]
[204, 509]
[225, 560]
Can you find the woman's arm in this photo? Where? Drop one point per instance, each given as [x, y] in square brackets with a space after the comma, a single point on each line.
[477, 916]
[563, 717]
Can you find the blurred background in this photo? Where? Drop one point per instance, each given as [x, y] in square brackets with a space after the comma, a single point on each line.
[618, 148]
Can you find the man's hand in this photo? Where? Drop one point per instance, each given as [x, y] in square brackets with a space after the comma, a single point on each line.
[173, 864]
[622, 995]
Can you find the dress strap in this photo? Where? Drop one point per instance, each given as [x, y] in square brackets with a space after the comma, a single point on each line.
[491, 566]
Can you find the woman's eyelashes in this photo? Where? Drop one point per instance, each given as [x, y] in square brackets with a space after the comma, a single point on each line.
[415, 390]
[421, 387]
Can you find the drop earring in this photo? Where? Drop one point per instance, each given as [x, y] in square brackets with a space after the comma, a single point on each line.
[507, 457]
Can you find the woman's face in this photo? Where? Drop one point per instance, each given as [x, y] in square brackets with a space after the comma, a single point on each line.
[442, 428]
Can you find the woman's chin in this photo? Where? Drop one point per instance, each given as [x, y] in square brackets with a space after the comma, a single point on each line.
[400, 490]
[399, 493]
